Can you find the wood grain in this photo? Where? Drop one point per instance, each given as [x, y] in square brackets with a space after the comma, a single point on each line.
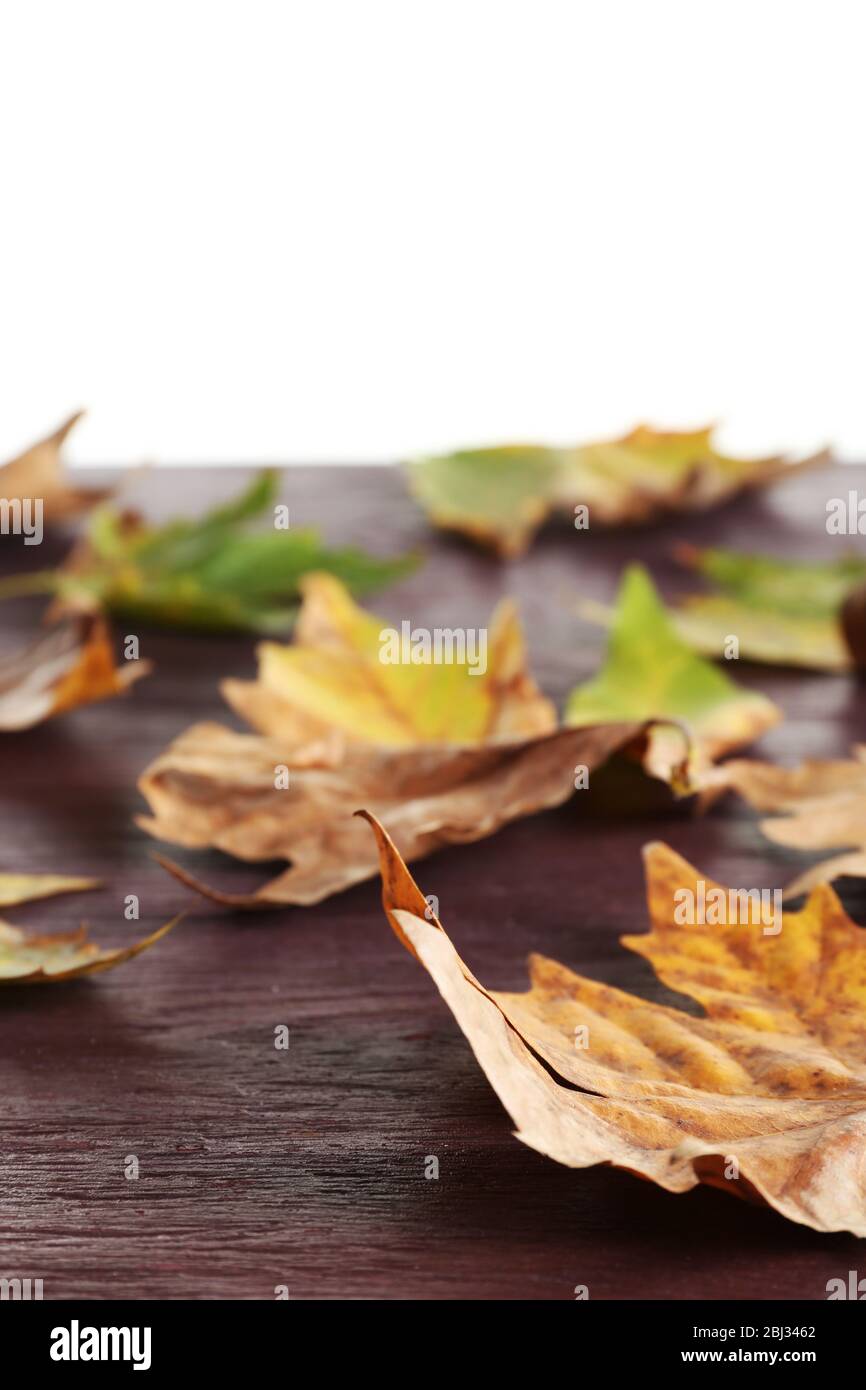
[305, 1167]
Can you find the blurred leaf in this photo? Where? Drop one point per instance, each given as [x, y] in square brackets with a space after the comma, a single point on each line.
[331, 679]
[208, 573]
[824, 806]
[38, 474]
[496, 496]
[651, 673]
[797, 587]
[70, 664]
[785, 612]
[27, 958]
[26, 888]
[500, 496]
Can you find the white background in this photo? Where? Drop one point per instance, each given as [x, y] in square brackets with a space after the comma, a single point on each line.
[352, 231]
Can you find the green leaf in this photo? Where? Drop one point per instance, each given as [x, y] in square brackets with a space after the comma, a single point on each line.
[785, 612]
[182, 546]
[210, 573]
[816, 589]
[500, 496]
[651, 673]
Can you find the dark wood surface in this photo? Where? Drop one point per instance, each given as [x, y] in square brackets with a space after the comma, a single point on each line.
[306, 1167]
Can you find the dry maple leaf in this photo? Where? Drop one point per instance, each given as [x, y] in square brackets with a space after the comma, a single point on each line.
[444, 756]
[769, 1084]
[825, 805]
[38, 474]
[500, 496]
[214, 788]
[27, 888]
[70, 664]
[28, 959]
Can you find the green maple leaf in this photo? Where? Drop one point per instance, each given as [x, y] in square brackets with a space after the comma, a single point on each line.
[650, 672]
[500, 496]
[786, 612]
[214, 572]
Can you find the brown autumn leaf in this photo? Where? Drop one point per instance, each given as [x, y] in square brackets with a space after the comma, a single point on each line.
[70, 664]
[214, 788]
[769, 1085]
[444, 753]
[824, 805]
[38, 474]
[31, 959]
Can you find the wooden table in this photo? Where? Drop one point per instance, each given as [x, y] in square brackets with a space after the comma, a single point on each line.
[305, 1167]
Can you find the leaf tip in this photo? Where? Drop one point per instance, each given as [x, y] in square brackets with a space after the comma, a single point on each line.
[400, 892]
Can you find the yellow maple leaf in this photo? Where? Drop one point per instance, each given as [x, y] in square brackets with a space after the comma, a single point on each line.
[333, 679]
